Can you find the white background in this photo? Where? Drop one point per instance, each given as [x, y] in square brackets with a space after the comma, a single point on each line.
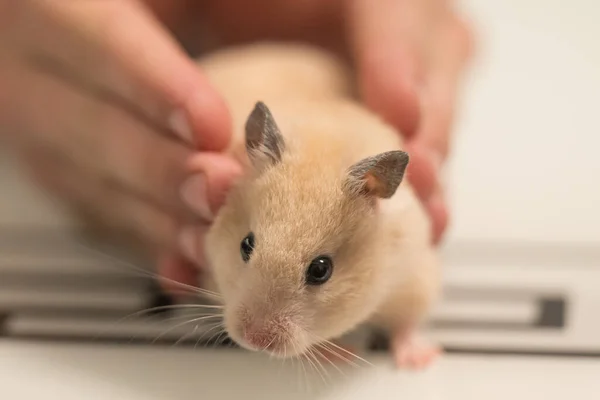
[526, 163]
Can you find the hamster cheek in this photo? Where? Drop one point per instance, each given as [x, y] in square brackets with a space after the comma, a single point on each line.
[351, 304]
[233, 324]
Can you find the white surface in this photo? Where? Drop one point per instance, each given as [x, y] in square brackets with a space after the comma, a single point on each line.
[526, 165]
[525, 168]
[578, 284]
[73, 373]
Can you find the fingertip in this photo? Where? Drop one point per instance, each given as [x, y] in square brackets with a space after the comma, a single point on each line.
[221, 172]
[200, 115]
[422, 172]
[209, 118]
[439, 217]
[389, 87]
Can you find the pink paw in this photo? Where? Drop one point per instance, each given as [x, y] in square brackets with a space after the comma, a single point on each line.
[414, 351]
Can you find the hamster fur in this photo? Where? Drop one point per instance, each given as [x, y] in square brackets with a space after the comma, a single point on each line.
[298, 200]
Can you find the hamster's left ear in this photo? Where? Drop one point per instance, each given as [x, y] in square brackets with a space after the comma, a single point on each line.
[378, 175]
[264, 142]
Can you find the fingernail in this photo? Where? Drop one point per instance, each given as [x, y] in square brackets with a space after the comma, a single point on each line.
[178, 122]
[195, 195]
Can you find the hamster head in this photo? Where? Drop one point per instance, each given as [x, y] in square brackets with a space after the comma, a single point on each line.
[294, 249]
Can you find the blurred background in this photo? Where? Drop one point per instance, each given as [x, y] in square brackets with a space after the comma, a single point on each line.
[521, 258]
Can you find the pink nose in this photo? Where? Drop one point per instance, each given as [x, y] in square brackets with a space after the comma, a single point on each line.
[261, 339]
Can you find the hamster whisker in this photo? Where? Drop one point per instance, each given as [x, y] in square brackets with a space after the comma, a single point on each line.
[270, 343]
[213, 325]
[143, 272]
[190, 292]
[316, 364]
[304, 373]
[338, 355]
[182, 306]
[182, 338]
[330, 343]
[300, 357]
[310, 362]
[219, 340]
[301, 360]
[195, 327]
[183, 323]
[192, 289]
[215, 338]
[303, 377]
[308, 355]
[307, 380]
[217, 334]
[169, 319]
[319, 349]
[218, 324]
[318, 355]
[159, 308]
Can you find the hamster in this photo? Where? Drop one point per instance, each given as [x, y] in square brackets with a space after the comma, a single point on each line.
[323, 233]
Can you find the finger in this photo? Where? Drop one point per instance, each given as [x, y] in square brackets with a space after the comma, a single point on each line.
[386, 41]
[438, 212]
[211, 177]
[121, 50]
[207, 171]
[191, 244]
[111, 207]
[423, 174]
[422, 171]
[451, 49]
[176, 273]
[103, 139]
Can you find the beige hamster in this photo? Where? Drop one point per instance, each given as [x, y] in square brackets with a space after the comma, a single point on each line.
[323, 233]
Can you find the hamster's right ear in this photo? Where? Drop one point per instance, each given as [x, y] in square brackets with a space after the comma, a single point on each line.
[264, 142]
[378, 175]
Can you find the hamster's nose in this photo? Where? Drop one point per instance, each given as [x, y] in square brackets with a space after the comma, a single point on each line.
[260, 338]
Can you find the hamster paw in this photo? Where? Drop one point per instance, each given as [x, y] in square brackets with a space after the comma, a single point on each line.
[413, 351]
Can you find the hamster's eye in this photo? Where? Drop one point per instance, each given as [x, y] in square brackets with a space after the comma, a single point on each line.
[247, 246]
[319, 271]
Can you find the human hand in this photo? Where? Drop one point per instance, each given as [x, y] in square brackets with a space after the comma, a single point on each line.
[409, 55]
[107, 111]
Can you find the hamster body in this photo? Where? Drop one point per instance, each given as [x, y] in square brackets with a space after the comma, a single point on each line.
[323, 233]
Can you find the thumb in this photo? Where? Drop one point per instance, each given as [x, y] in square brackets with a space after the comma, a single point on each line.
[119, 50]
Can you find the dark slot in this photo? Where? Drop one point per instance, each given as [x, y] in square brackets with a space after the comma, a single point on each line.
[552, 313]
[158, 298]
[480, 325]
[216, 342]
[3, 319]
